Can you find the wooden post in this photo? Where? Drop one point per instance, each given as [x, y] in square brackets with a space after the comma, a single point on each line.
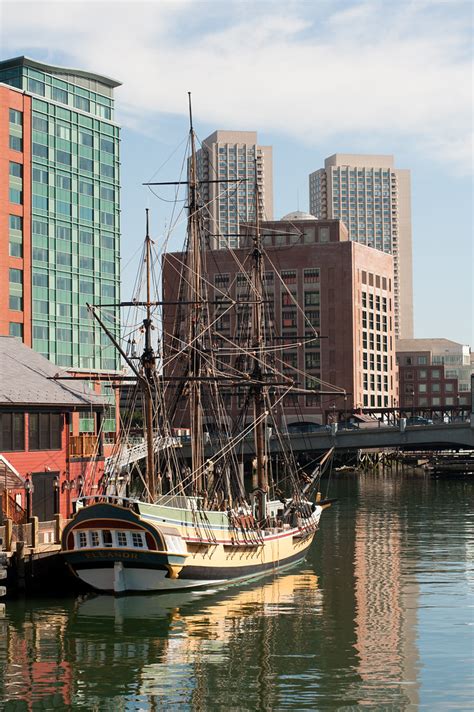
[20, 565]
[57, 528]
[8, 534]
[34, 532]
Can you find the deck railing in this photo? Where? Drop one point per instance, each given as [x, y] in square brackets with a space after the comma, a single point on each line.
[82, 445]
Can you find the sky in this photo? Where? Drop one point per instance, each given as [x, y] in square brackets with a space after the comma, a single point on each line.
[313, 78]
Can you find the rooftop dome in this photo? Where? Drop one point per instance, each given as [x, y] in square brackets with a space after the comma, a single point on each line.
[298, 215]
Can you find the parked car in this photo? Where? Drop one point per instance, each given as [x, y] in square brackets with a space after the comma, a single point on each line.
[347, 425]
[418, 420]
[306, 427]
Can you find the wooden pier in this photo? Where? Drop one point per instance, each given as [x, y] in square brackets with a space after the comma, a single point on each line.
[31, 558]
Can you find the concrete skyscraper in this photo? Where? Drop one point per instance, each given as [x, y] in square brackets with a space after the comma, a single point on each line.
[59, 211]
[373, 199]
[233, 156]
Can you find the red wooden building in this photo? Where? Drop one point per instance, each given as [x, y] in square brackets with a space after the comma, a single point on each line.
[42, 469]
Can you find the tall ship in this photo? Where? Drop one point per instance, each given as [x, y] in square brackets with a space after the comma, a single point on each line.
[186, 519]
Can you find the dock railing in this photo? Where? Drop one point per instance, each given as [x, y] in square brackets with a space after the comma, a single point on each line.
[36, 535]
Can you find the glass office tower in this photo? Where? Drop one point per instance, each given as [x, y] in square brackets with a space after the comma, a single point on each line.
[63, 221]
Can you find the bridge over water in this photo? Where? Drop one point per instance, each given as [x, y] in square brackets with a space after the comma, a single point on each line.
[442, 436]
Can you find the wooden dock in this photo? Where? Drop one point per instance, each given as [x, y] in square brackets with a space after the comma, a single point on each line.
[30, 552]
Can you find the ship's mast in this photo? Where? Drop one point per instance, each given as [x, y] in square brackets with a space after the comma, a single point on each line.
[194, 339]
[257, 347]
[148, 364]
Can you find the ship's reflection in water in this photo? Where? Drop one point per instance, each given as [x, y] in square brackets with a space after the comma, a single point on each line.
[154, 652]
[379, 617]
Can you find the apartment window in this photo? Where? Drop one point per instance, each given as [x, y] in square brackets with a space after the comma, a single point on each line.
[12, 432]
[16, 169]
[16, 329]
[16, 117]
[422, 388]
[15, 143]
[448, 387]
[422, 360]
[15, 302]
[16, 276]
[435, 373]
[44, 431]
[435, 387]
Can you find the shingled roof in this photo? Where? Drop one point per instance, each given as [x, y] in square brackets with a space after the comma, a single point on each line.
[26, 380]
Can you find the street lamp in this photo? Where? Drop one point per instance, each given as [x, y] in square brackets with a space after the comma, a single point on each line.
[29, 492]
[56, 494]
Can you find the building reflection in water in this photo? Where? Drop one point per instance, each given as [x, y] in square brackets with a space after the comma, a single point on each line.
[386, 605]
[148, 652]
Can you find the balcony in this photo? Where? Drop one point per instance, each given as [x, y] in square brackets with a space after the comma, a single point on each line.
[82, 445]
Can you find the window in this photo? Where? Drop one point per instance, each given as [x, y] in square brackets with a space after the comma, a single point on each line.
[40, 279]
[422, 360]
[107, 537]
[82, 539]
[422, 388]
[107, 193]
[288, 276]
[82, 103]
[12, 432]
[16, 329]
[40, 124]
[435, 373]
[122, 538]
[95, 541]
[63, 157]
[86, 138]
[106, 145]
[86, 188]
[36, 87]
[86, 164]
[16, 196]
[40, 175]
[63, 181]
[63, 282]
[16, 276]
[59, 95]
[16, 117]
[15, 302]
[39, 227]
[311, 275]
[15, 143]
[16, 169]
[311, 299]
[40, 151]
[137, 539]
[435, 387]
[63, 131]
[44, 431]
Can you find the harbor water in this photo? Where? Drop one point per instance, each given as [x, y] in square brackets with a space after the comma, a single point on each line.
[380, 617]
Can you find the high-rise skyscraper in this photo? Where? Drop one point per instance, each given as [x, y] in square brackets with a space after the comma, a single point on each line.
[59, 210]
[236, 159]
[373, 198]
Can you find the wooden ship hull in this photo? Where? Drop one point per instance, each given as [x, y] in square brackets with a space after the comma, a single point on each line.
[157, 548]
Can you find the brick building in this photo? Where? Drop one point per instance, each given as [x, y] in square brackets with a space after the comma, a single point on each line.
[434, 373]
[333, 294]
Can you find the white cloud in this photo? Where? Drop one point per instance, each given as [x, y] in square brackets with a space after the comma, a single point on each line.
[381, 69]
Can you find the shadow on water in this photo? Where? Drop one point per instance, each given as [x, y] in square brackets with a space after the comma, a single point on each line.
[389, 578]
